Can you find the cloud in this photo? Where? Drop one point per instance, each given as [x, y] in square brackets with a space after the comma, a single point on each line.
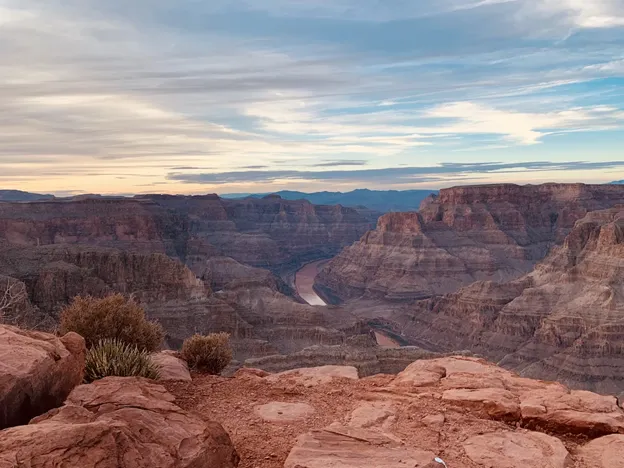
[92, 91]
[342, 162]
[391, 175]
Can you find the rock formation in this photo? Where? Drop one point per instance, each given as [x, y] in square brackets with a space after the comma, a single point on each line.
[268, 232]
[465, 411]
[118, 423]
[463, 235]
[563, 321]
[37, 372]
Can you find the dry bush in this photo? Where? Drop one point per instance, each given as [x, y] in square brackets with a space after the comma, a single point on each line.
[12, 294]
[211, 353]
[112, 317]
[116, 358]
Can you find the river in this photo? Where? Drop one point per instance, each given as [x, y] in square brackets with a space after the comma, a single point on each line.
[304, 283]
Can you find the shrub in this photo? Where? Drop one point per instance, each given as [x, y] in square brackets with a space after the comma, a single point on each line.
[211, 353]
[112, 317]
[115, 358]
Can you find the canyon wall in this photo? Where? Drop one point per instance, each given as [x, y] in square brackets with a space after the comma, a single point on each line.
[463, 235]
[564, 321]
[268, 232]
[192, 261]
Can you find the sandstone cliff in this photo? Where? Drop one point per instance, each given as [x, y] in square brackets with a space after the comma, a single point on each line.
[563, 321]
[268, 232]
[463, 235]
[246, 302]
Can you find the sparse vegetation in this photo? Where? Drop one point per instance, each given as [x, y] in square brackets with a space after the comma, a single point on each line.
[12, 293]
[113, 317]
[211, 353]
[113, 357]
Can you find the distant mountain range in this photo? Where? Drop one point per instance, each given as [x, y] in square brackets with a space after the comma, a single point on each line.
[378, 200]
[18, 195]
[619, 182]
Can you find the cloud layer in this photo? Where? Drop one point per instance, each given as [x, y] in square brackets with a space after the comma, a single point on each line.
[123, 96]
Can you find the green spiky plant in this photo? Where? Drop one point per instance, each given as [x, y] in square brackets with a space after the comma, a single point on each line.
[113, 357]
[211, 353]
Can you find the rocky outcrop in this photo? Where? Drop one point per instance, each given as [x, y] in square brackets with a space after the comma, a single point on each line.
[268, 232]
[118, 423]
[193, 262]
[170, 366]
[563, 321]
[463, 235]
[247, 304]
[461, 411]
[37, 372]
[348, 447]
[359, 352]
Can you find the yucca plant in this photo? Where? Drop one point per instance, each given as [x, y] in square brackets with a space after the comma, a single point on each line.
[113, 357]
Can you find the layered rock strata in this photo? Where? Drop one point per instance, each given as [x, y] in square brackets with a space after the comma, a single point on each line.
[268, 232]
[563, 321]
[463, 235]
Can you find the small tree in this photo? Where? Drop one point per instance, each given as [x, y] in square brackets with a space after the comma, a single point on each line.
[12, 293]
[211, 353]
[113, 317]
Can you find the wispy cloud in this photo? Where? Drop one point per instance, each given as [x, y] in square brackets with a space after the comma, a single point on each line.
[104, 96]
[398, 175]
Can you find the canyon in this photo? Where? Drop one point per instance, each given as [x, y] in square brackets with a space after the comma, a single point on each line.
[462, 235]
[527, 276]
[197, 264]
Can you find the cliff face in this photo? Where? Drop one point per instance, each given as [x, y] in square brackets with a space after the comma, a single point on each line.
[563, 321]
[463, 235]
[268, 232]
[244, 301]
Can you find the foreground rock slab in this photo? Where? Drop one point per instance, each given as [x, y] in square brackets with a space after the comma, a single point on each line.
[280, 412]
[605, 452]
[347, 447]
[311, 376]
[516, 450]
[118, 423]
[37, 372]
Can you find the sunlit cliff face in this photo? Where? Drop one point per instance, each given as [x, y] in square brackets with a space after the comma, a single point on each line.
[240, 96]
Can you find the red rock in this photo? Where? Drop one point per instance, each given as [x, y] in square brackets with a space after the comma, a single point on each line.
[170, 366]
[342, 447]
[37, 372]
[312, 376]
[495, 402]
[605, 452]
[516, 450]
[118, 423]
[283, 412]
[463, 235]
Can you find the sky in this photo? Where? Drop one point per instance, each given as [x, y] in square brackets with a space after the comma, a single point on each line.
[203, 96]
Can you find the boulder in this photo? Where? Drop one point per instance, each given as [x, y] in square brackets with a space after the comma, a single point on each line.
[495, 402]
[312, 376]
[516, 450]
[605, 452]
[37, 372]
[346, 447]
[118, 423]
[171, 366]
